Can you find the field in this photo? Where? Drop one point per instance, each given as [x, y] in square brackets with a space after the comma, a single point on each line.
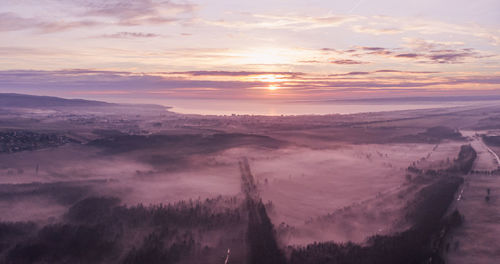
[146, 185]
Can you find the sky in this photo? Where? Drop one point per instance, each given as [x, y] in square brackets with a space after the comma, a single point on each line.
[249, 50]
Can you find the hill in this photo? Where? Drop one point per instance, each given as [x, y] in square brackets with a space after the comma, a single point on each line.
[32, 101]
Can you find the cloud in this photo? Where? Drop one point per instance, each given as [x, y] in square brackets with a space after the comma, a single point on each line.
[441, 56]
[335, 61]
[420, 51]
[137, 12]
[360, 50]
[374, 25]
[373, 48]
[408, 55]
[235, 73]
[376, 31]
[378, 25]
[27, 51]
[123, 83]
[389, 71]
[130, 35]
[348, 61]
[427, 45]
[411, 72]
[310, 61]
[82, 79]
[12, 22]
[350, 74]
[95, 13]
[376, 51]
[450, 56]
[86, 72]
[398, 83]
[292, 22]
[364, 73]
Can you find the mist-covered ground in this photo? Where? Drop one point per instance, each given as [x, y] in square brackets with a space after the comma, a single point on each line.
[140, 184]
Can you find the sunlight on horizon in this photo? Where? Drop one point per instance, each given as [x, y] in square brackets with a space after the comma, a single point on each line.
[272, 87]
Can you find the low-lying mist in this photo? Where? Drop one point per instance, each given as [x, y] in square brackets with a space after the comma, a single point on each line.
[354, 183]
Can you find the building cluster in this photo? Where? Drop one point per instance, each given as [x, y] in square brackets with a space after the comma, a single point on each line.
[14, 141]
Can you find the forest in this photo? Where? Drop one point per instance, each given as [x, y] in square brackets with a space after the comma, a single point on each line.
[99, 229]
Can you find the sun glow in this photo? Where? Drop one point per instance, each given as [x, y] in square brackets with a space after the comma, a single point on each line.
[267, 56]
[272, 87]
[268, 78]
[271, 82]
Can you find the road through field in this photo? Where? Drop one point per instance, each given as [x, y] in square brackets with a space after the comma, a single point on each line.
[477, 240]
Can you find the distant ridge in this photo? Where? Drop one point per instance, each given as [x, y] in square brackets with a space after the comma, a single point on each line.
[30, 101]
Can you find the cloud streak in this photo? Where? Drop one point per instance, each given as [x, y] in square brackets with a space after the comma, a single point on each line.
[137, 12]
[12, 22]
[89, 81]
[235, 73]
[99, 13]
[379, 25]
[291, 22]
[125, 35]
[423, 53]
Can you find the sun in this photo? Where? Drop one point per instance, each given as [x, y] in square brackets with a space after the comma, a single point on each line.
[272, 87]
[271, 82]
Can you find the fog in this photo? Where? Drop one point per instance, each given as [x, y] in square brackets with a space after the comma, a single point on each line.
[302, 184]
[168, 188]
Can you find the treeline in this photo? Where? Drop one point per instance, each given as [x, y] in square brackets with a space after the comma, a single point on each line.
[261, 241]
[411, 246]
[100, 230]
[460, 165]
[261, 236]
[184, 144]
[492, 140]
[463, 163]
[432, 135]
